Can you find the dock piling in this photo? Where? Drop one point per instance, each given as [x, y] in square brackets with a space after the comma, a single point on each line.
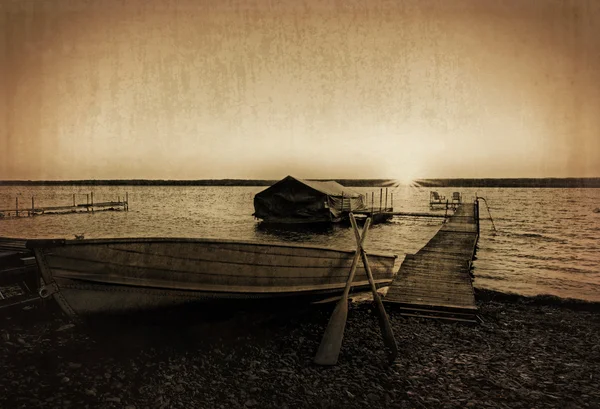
[372, 201]
[477, 214]
[17, 206]
[386, 195]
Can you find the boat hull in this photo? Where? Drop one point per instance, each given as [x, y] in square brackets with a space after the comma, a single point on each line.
[122, 275]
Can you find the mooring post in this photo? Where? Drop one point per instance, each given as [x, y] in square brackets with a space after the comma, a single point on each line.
[386, 193]
[477, 214]
[372, 201]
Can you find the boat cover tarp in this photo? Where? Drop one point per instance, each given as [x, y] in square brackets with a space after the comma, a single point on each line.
[293, 200]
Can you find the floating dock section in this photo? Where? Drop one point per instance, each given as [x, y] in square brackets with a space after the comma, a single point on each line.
[436, 282]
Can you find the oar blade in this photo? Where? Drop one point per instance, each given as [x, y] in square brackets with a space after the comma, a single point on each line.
[386, 330]
[331, 343]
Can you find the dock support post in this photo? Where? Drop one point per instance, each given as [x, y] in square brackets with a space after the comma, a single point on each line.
[342, 202]
[127, 201]
[32, 206]
[392, 200]
[17, 206]
[385, 207]
[372, 201]
[92, 195]
[380, 199]
[477, 214]
[73, 199]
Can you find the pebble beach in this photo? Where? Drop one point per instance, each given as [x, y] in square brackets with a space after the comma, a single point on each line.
[527, 352]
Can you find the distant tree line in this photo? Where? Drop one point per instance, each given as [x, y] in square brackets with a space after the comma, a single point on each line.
[141, 182]
[515, 182]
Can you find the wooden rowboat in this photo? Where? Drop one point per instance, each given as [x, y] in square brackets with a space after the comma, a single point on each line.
[124, 275]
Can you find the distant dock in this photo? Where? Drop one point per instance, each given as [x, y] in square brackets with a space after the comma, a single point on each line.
[436, 282]
[24, 210]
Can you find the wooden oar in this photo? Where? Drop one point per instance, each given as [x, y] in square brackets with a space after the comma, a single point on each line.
[384, 322]
[329, 350]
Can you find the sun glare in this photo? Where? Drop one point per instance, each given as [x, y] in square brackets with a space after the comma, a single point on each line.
[405, 172]
[403, 181]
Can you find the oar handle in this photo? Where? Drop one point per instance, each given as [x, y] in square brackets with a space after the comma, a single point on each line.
[369, 272]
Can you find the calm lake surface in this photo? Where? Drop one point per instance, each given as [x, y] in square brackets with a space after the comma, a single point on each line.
[547, 240]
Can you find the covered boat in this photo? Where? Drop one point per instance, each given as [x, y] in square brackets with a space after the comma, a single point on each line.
[293, 200]
[124, 275]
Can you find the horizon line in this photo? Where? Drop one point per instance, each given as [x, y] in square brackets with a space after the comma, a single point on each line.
[548, 182]
[268, 179]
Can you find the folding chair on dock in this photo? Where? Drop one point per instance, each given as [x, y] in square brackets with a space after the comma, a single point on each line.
[435, 199]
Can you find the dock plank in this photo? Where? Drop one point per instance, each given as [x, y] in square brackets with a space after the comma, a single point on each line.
[438, 276]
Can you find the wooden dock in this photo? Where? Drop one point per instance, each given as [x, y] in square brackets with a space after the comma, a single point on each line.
[122, 203]
[390, 213]
[377, 215]
[378, 212]
[436, 282]
[382, 212]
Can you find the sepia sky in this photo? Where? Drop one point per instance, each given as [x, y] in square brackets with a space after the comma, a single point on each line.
[194, 89]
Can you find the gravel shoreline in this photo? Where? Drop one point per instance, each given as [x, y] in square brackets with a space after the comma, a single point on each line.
[529, 352]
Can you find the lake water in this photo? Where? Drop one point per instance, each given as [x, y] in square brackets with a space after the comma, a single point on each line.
[547, 240]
